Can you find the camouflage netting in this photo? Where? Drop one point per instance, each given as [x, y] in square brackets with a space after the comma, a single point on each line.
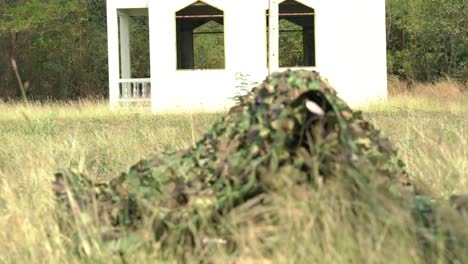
[292, 124]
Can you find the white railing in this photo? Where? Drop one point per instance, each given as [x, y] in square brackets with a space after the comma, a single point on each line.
[135, 89]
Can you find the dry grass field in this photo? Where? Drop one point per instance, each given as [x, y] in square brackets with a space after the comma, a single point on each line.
[429, 125]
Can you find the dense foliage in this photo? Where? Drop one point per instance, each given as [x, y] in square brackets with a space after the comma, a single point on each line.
[427, 38]
[208, 42]
[60, 46]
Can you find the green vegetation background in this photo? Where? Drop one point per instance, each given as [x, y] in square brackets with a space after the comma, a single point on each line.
[61, 46]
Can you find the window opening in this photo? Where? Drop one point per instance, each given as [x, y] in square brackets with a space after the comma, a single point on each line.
[296, 35]
[200, 37]
[139, 48]
[134, 48]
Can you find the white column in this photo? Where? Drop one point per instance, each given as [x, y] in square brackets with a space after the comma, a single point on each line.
[248, 58]
[125, 61]
[113, 54]
[163, 53]
[273, 36]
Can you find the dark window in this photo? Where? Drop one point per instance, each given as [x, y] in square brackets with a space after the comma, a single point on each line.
[296, 35]
[200, 37]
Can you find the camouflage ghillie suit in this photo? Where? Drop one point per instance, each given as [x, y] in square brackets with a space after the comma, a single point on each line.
[292, 124]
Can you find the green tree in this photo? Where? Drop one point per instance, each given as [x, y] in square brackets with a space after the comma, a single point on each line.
[59, 46]
[427, 38]
[208, 41]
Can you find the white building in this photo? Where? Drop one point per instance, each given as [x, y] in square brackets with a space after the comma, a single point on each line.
[342, 39]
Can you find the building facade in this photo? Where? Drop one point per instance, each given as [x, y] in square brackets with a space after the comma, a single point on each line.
[345, 40]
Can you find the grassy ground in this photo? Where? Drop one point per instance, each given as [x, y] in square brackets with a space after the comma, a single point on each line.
[432, 135]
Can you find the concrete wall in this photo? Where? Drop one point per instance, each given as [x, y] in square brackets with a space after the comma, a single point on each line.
[350, 47]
